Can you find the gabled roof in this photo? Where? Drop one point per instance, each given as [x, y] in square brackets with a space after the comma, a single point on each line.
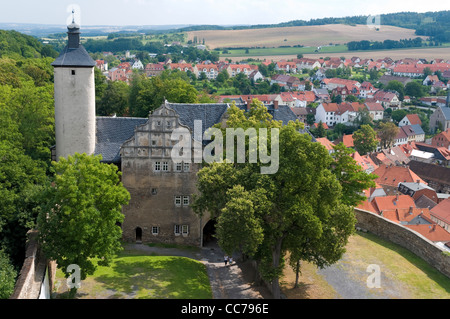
[446, 111]
[330, 107]
[373, 106]
[414, 119]
[389, 203]
[431, 172]
[433, 232]
[417, 129]
[393, 175]
[442, 210]
[365, 162]
[209, 114]
[325, 142]
[112, 132]
[425, 202]
[411, 130]
[348, 140]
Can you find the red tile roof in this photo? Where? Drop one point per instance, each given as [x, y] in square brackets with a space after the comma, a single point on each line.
[330, 107]
[389, 203]
[325, 126]
[364, 161]
[366, 205]
[348, 140]
[414, 119]
[442, 210]
[325, 142]
[373, 106]
[393, 175]
[433, 232]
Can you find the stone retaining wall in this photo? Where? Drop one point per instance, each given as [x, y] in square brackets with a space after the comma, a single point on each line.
[31, 277]
[406, 238]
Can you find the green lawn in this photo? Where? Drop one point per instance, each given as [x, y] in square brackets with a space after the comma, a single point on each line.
[137, 276]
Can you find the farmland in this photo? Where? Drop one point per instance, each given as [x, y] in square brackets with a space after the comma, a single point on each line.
[304, 35]
[422, 53]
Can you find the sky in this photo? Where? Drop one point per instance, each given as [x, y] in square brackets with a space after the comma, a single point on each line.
[195, 12]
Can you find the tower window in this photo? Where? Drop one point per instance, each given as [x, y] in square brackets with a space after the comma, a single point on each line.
[73, 72]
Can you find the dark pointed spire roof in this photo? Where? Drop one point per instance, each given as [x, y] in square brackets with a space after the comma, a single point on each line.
[74, 54]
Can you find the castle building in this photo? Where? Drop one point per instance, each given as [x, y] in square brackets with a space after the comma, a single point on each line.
[161, 189]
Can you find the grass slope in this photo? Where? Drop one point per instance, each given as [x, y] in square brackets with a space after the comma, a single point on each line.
[404, 275]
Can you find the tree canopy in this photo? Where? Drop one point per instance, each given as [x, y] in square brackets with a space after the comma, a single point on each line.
[300, 208]
[81, 213]
[365, 139]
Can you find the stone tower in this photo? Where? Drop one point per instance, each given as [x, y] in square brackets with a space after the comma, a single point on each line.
[74, 98]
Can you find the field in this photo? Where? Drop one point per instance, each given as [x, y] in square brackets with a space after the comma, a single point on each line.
[422, 53]
[306, 36]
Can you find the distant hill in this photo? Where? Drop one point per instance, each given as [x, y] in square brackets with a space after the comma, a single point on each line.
[16, 43]
[410, 20]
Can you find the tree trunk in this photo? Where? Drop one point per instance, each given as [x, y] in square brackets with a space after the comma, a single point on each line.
[297, 272]
[276, 254]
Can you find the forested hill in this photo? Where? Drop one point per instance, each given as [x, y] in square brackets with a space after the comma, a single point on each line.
[13, 43]
[435, 24]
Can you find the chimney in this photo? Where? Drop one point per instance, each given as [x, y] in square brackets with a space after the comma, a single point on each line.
[249, 102]
[275, 105]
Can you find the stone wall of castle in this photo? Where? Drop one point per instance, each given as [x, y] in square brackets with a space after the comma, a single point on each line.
[406, 238]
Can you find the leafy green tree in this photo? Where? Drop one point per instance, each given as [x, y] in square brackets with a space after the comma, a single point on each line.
[238, 225]
[350, 175]
[396, 86]
[414, 89]
[398, 115]
[114, 100]
[7, 276]
[374, 74]
[242, 83]
[426, 72]
[100, 84]
[79, 218]
[351, 98]
[363, 118]
[320, 131]
[387, 133]
[34, 112]
[26, 134]
[222, 77]
[20, 177]
[310, 119]
[147, 94]
[365, 139]
[298, 208]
